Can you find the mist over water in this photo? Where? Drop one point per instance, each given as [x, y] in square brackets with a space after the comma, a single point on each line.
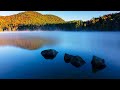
[20, 54]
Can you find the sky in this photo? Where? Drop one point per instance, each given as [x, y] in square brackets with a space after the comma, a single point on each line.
[67, 15]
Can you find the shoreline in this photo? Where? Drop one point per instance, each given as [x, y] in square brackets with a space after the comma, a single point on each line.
[50, 32]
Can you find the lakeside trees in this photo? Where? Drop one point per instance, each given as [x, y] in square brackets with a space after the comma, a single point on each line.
[110, 22]
[30, 20]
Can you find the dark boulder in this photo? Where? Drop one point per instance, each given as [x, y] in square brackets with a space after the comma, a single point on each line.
[67, 58]
[76, 61]
[49, 54]
[97, 64]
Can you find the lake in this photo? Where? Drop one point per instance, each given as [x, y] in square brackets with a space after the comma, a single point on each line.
[20, 54]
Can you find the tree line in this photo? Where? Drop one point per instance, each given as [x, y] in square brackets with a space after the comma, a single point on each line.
[36, 21]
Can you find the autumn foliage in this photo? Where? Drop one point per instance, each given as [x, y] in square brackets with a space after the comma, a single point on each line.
[31, 20]
[12, 22]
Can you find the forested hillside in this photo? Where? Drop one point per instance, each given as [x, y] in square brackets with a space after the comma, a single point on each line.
[110, 22]
[12, 22]
[107, 22]
[31, 20]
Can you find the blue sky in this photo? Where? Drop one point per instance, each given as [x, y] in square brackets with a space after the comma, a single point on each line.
[67, 15]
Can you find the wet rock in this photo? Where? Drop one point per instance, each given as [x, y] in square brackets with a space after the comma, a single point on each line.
[49, 54]
[97, 64]
[76, 61]
[67, 58]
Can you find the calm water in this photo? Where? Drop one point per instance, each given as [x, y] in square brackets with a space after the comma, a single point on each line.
[20, 54]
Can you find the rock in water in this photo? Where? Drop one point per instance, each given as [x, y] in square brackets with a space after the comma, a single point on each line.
[67, 58]
[76, 61]
[97, 64]
[49, 54]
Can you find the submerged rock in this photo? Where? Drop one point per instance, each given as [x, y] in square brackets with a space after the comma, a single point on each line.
[76, 61]
[97, 64]
[49, 54]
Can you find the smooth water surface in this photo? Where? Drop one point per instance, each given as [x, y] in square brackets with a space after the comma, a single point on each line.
[20, 54]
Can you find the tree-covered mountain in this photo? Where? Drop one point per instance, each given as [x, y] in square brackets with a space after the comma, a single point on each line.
[12, 22]
[30, 20]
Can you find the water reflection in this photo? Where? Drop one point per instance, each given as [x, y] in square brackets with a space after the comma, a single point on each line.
[31, 64]
[24, 42]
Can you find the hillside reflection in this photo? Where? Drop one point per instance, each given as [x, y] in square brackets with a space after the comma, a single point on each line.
[25, 42]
